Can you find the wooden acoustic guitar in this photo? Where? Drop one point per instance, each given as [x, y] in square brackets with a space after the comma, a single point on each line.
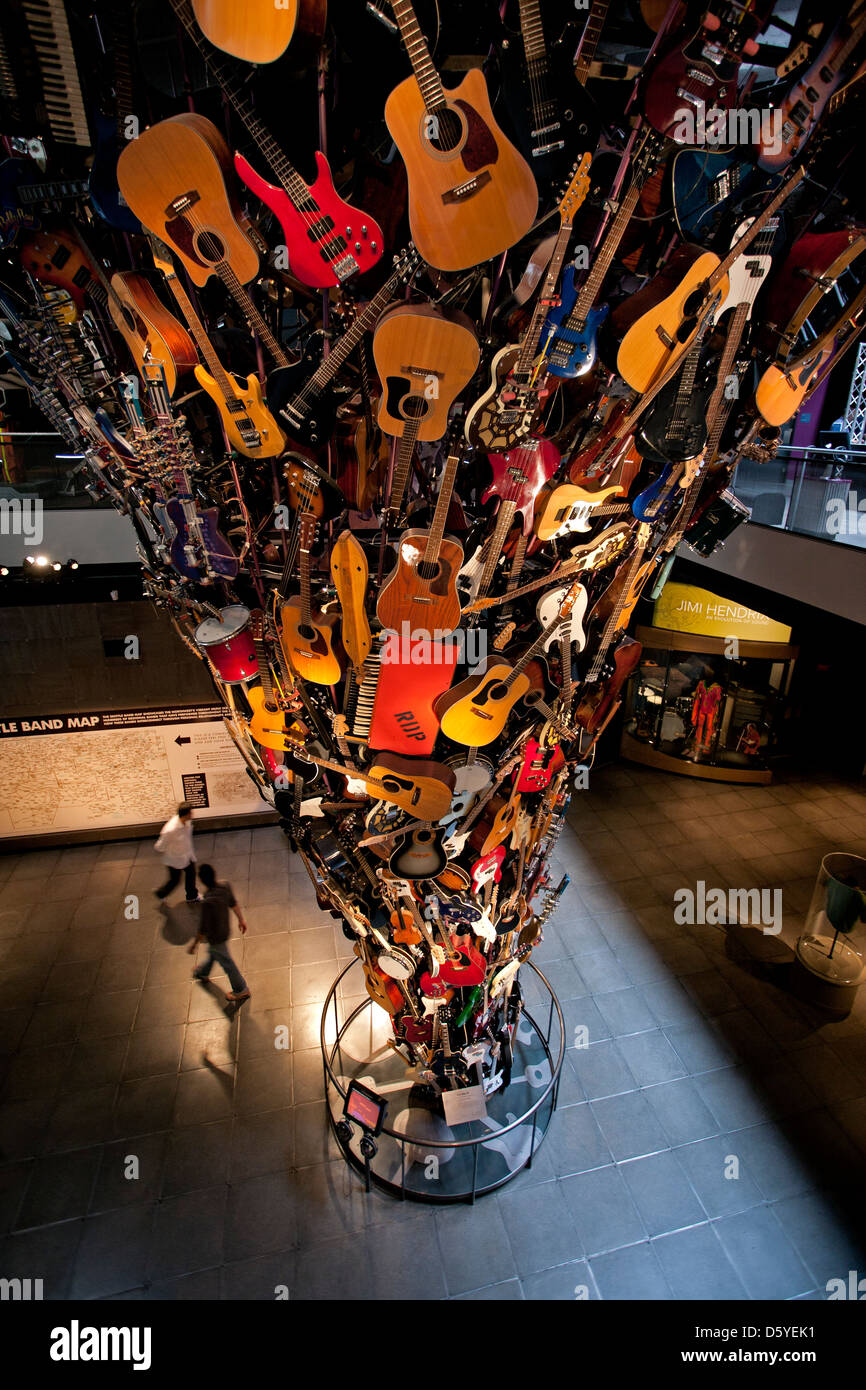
[151, 333]
[259, 31]
[471, 195]
[269, 725]
[309, 642]
[423, 586]
[425, 357]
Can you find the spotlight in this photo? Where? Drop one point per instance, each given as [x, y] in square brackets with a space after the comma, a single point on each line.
[41, 561]
[29, 560]
[3, 571]
[73, 564]
[57, 565]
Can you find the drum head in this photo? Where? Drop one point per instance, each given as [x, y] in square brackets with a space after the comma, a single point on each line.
[397, 965]
[231, 621]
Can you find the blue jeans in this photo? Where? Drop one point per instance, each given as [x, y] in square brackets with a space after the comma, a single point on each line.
[220, 953]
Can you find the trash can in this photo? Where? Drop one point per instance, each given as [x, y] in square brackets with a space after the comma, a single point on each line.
[831, 952]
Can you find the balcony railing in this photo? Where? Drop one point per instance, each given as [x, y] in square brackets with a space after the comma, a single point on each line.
[814, 492]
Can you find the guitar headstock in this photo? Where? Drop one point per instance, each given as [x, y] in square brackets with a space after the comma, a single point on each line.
[162, 257]
[577, 190]
[307, 527]
[257, 625]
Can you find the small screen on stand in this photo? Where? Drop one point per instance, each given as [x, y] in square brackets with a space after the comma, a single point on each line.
[364, 1107]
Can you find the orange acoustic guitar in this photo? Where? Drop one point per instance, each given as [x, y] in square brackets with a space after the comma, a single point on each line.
[423, 587]
[425, 357]
[308, 643]
[152, 334]
[471, 195]
[259, 31]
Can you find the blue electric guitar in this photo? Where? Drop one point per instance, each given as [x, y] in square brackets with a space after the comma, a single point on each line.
[568, 339]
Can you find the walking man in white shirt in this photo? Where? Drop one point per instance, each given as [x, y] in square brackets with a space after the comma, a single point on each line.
[175, 846]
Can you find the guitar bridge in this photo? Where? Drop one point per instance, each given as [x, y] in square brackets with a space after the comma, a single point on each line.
[344, 267]
[461, 191]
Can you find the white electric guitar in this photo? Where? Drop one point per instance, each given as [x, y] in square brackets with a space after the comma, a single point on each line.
[547, 608]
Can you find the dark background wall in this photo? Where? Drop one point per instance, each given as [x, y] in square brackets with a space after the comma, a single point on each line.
[52, 659]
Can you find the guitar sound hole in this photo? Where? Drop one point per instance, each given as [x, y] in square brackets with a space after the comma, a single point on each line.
[414, 407]
[498, 691]
[426, 569]
[308, 633]
[210, 247]
[444, 130]
[128, 318]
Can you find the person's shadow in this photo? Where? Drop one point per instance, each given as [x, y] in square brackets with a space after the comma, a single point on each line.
[181, 922]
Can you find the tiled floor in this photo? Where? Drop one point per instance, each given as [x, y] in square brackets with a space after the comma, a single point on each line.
[113, 1062]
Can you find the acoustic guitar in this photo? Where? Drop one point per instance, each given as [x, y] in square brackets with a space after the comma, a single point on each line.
[151, 333]
[471, 195]
[259, 31]
[350, 573]
[269, 725]
[309, 642]
[423, 585]
[424, 357]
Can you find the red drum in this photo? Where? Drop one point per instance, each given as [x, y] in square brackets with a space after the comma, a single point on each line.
[228, 645]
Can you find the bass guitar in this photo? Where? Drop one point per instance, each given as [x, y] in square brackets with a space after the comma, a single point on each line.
[571, 327]
[471, 195]
[504, 414]
[327, 239]
[249, 425]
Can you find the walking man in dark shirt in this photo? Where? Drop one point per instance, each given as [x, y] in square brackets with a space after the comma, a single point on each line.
[214, 930]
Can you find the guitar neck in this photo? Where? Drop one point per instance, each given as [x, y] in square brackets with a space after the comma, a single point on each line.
[199, 333]
[591, 286]
[612, 624]
[757, 226]
[419, 55]
[244, 301]
[533, 31]
[364, 320]
[264, 671]
[716, 413]
[504, 519]
[440, 516]
[589, 41]
[306, 608]
[532, 336]
[405, 450]
[293, 185]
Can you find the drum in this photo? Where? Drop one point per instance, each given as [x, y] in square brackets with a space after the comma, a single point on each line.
[720, 520]
[228, 645]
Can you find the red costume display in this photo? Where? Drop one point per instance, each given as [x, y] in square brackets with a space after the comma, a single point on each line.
[705, 705]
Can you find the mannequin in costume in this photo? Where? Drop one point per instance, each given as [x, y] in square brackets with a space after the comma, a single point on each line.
[705, 708]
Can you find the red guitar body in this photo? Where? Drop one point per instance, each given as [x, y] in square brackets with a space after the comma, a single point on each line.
[360, 235]
[520, 474]
[539, 766]
[469, 970]
[488, 869]
[595, 704]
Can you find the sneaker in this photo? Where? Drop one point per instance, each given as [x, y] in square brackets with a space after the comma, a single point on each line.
[202, 979]
[236, 995]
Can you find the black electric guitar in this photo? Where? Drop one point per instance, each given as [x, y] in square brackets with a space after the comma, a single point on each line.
[553, 117]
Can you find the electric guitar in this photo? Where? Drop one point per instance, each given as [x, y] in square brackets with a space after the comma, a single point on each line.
[564, 508]
[804, 105]
[551, 113]
[269, 725]
[504, 414]
[571, 327]
[249, 425]
[327, 239]
[309, 643]
[518, 477]
[310, 413]
[471, 195]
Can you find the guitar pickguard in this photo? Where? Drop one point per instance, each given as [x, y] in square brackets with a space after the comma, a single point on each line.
[479, 147]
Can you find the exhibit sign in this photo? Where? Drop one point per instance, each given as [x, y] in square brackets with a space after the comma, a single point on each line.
[104, 769]
[686, 608]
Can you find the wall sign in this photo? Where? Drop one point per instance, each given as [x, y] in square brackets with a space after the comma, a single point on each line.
[119, 768]
[686, 608]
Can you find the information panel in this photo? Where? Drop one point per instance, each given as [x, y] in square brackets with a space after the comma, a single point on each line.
[110, 768]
